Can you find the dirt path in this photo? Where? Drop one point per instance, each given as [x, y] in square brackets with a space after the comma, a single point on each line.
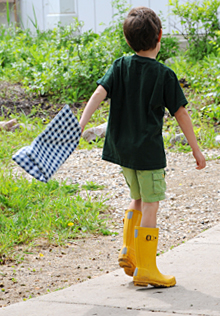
[192, 205]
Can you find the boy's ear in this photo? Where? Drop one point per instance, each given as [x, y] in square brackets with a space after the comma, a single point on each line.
[160, 35]
[127, 42]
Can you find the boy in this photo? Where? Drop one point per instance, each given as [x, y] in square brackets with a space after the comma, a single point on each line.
[140, 88]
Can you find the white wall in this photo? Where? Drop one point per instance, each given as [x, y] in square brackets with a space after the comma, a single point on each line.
[26, 13]
[92, 12]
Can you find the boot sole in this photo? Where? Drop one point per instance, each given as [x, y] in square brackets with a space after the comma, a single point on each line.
[129, 271]
[127, 265]
[159, 285]
[124, 263]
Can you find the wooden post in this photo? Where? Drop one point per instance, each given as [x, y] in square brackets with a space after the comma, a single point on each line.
[15, 11]
[15, 7]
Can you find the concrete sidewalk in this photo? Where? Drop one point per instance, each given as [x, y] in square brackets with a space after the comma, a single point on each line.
[195, 264]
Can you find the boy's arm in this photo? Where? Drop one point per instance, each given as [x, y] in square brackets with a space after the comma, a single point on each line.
[185, 124]
[98, 96]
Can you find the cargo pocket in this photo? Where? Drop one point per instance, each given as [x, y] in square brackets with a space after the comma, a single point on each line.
[159, 182]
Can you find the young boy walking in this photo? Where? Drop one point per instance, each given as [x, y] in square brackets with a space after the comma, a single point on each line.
[140, 88]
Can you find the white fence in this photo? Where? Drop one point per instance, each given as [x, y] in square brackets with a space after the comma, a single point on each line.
[96, 14]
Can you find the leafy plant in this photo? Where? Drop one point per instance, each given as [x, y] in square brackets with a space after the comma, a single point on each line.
[64, 63]
[212, 111]
[169, 48]
[199, 21]
[203, 77]
[169, 43]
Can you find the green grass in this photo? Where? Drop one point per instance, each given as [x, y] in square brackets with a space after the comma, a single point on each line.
[205, 127]
[30, 211]
[12, 141]
[205, 134]
[91, 186]
[53, 211]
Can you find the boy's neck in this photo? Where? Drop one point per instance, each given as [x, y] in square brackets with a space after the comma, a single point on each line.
[151, 53]
[147, 53]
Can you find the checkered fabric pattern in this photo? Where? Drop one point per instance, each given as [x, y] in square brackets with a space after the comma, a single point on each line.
[52, 147]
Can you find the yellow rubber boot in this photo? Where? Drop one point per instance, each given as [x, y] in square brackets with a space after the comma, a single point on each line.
[146, 272]
[126, 256]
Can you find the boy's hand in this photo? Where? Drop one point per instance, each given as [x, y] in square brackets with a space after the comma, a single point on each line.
[82, 127]
[200, 159]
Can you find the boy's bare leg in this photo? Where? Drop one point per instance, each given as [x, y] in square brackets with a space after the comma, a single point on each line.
[135, 205]
[149, 214]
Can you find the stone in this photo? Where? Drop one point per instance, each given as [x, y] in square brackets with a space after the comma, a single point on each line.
[29, 127]
[179, 138]
[12, 125]
[217, 139]
[7, 125]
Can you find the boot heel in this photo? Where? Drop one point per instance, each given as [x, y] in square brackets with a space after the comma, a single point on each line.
[140, 283]
[126, 258]
[123, 263]
[126, 263]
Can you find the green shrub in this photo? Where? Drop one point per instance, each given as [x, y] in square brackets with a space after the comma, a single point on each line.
[204, 78]
[199, 21]
[169, 48]
[64, 63]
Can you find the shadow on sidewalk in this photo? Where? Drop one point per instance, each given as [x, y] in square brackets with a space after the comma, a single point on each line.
[181, 299]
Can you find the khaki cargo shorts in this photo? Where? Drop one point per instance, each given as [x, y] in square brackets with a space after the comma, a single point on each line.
[147, 185]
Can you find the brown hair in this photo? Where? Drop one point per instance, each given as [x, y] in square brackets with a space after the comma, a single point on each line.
[141, 28]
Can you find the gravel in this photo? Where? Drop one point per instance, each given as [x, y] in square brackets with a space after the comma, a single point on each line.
[191, 206]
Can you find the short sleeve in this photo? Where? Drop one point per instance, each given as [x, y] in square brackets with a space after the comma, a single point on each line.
[173, 94]
[107, 81]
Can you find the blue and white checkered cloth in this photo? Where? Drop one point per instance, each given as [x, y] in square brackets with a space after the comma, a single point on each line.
[52, 147]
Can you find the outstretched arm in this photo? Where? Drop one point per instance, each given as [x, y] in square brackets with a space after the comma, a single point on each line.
[185, 124]
[98, 96]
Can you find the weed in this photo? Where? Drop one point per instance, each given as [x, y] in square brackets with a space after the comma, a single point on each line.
[31, 210]
[92, 186]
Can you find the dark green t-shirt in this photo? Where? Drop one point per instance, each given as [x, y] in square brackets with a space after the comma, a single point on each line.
[139, 88]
